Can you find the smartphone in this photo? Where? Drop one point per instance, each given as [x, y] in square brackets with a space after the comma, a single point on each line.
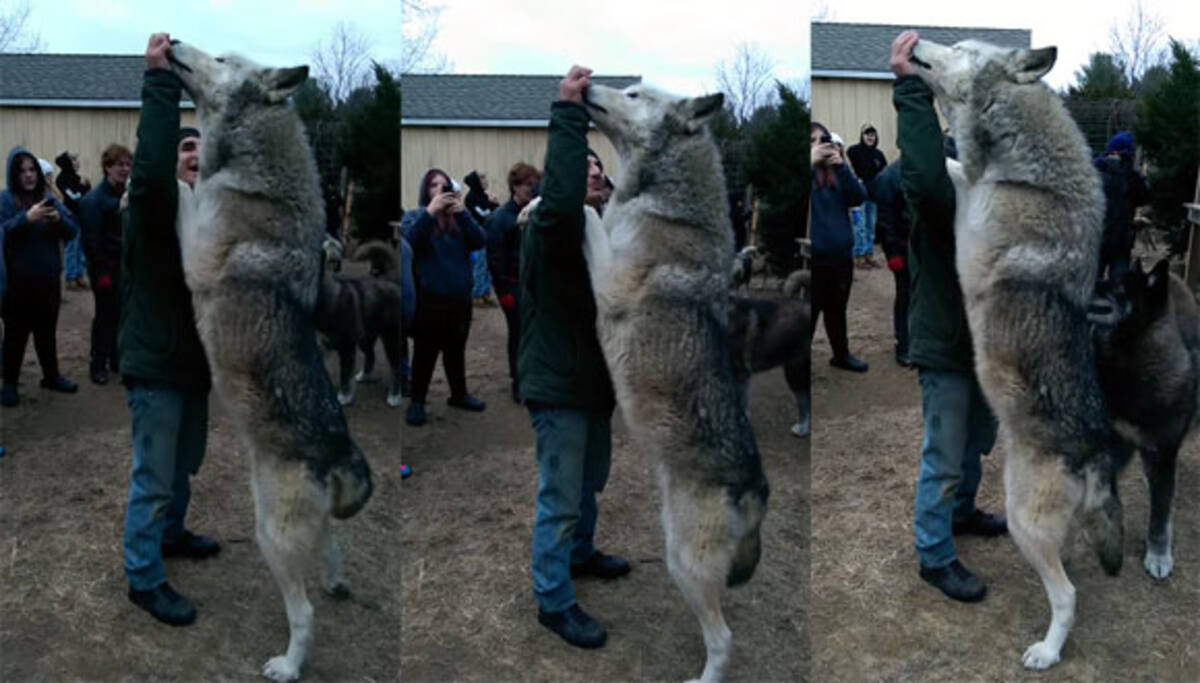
[47, 202]
[826, 139]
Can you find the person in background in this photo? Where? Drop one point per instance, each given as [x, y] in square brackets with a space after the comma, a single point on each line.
[867, 162]
[73, 187]
[100, 216]
[1124, 191]
[35, 223]
[893, 231]
[480, 203]
[504, 257]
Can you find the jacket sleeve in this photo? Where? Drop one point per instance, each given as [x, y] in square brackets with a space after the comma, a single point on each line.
[68, 225]
[153, 191]
[853, 192]
[564, 185]
[416, 226]
[90, 221]
[927, 186]
[14, 227]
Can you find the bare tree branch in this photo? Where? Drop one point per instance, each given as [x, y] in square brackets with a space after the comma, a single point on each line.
[747, 81]
[1137, 44]
[13, 35]
[418, 32]
[343, 62]
[821, 11]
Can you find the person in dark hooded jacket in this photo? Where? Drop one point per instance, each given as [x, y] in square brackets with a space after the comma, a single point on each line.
[100, 218]
[1124, 191]
[480, 205]
[504, 257]
[868, 162]
[73, 187]
[34, 223]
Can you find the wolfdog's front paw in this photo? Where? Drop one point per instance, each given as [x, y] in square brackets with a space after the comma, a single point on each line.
[345, 399]
[1159, 566]
[338, 590]
[1040, 656]
[280, 669]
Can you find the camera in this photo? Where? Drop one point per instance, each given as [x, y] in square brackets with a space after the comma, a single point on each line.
[826, 139]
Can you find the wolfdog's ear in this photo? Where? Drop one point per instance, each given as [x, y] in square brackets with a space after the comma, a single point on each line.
[1030, 65]
[698, 110]
[281, 82]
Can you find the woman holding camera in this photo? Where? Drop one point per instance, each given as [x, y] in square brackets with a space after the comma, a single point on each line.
[834, 191]
[34, 223]
[442, 235]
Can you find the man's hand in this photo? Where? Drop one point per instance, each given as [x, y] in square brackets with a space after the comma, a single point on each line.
[157, 50]
[571, 88]
[902, 48]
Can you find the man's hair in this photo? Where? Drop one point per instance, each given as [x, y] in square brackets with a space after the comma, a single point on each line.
[521, 173]
[114, 153]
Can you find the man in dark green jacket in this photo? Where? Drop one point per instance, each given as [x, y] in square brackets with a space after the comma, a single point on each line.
[562, 375]
[959, 427]
[162, 360]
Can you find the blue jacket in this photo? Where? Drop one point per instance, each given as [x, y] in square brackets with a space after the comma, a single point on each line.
[441, 261]
[832, 235]
[31, 249]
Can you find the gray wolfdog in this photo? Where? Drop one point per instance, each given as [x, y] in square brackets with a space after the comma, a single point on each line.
[252, 258]
[1027, 227]
[660, 266]
[1149, 365]
[353, 312]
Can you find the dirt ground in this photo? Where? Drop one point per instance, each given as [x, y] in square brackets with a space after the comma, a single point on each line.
[467, 515]
[63, 486]
[873, 619]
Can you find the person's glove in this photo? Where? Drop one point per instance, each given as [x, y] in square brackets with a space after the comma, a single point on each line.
[508, 301]
[896, 264]
[104, 282]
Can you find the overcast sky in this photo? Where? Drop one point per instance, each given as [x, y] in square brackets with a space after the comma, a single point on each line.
[673, 45]
[1076, 28]
[272, 32]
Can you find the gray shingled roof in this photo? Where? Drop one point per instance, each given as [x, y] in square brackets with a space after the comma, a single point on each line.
[81, 79]
[868, 47]
[486, 97]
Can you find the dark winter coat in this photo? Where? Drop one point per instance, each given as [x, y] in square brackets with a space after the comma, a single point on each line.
[1124, 191]
[100, 218]
[31, 250]
[477, 201]
[939, 338]
[891, 222]
[832, 235]
[504, 249]
[158, 339]
[559, 361]
[69, 183]
[867, 160]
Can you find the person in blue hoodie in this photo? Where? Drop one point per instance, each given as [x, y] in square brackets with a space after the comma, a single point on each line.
[442, 234]
[35, 223]
[834, 191]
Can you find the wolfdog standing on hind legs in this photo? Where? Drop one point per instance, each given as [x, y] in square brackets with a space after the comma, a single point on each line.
[660, 266]
[1027, 228]
[252, 259]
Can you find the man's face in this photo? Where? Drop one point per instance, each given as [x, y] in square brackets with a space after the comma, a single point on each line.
[869, 137]
[523, 193]
[188, 165]
[595, 182]
[118, 173]
[27, 174]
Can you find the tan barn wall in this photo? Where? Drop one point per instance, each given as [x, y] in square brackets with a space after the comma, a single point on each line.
[844, 105]
[459, 150]
[47, 132]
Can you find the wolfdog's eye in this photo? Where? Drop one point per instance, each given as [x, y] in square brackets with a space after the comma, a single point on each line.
[631, 95]
[220, 60]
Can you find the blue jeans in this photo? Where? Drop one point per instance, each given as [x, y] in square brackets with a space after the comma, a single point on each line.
[959, 427]
[74, 262]
[574, 451]
[483, 279]
[863, 220]
[170, 428]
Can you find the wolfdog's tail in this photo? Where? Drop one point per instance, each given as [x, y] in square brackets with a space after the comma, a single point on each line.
[384, 261]
[350, 485]
[751, 507]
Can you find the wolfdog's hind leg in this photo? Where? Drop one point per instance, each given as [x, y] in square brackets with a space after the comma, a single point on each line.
[699, 567]
[1039, 521]
[1159, 467]
[286, 538]
[334, 578]
[1110, 546]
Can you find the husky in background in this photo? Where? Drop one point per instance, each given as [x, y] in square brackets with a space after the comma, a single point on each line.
[660, 267]
[353, 312]
[1027, 228]
[252, 258]
[1149, 364]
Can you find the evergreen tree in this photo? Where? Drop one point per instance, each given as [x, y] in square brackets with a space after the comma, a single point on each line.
[372, 154]
[778, 168]
[1102, 77]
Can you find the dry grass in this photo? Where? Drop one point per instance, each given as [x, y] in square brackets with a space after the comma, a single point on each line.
[467, 518]
[63, 610]
[873, 618]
